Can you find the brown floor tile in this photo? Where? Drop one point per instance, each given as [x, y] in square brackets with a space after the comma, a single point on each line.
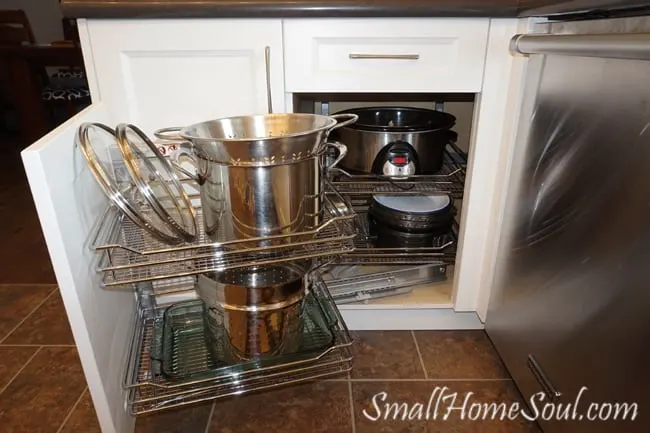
[186, 420]
[48, 325]
[313, 407]
[386, 355]
[41, 396]
[83, 418]
[412, 398]
[367, 398]
[18, 301]
[459, 355]
[12, 359]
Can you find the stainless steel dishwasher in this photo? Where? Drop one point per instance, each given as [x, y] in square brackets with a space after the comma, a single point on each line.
[570, 308]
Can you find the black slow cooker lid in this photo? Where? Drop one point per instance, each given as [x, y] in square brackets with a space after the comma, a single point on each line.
[400, 119]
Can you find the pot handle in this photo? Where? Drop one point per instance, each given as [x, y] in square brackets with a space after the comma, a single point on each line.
[351, 118]
[451, 135]
[452, 139]
[185, 150]
[170, 133]
[343, 150]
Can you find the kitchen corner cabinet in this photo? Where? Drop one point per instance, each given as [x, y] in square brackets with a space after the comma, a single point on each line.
[157, 73]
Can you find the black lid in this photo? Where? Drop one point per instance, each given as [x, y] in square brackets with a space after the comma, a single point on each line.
[400, 119]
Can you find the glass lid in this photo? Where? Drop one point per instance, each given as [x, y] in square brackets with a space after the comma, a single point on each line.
[98, 144]
[157, 181]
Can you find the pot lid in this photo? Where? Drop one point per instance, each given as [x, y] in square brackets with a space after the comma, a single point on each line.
[400, 119]
[414, 204]
[99, 145]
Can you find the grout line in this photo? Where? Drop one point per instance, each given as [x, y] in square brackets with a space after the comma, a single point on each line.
[417, 349]
[433, 380]
[20, 370]
[37, 345]
[207, 425]
[354, 423]
[29, 315]
[74, 406]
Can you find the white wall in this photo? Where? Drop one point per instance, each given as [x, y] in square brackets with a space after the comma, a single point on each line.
[44, 17]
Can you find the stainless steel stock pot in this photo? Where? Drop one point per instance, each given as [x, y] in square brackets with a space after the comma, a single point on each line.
[260, 175]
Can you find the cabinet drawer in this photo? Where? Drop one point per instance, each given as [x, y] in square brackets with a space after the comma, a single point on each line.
[385, 55]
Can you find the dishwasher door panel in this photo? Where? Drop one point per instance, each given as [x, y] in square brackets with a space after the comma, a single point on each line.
[573, 271]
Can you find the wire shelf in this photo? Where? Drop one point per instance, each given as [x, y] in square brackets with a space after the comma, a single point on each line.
[364, 287]
[442, 250]
[130, 255]
[359, 189]
[450, 180]
[185, 354]
[150, 390]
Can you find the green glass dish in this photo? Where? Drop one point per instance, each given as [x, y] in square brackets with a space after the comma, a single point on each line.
[191, 348]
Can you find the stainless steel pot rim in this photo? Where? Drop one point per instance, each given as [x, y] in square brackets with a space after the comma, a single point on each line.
[297, 270]
[329, 123]
[277, 306]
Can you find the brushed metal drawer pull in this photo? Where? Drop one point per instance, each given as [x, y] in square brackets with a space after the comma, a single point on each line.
[354, 56]
[551, 392]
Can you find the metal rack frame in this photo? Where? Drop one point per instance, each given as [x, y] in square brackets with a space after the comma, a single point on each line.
[361, 288]
[149, 391]
[450, 180]
[130, 255]
[359, 189]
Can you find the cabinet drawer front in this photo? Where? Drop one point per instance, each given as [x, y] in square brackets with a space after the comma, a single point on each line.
[385, 55]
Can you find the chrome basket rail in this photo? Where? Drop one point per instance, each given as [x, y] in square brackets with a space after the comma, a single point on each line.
[441, 252]
[130, 255]
[450, 180]
[149, 390]
[358, 190]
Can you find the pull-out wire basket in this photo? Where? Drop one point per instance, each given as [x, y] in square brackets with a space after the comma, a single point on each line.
[364, 287]
[442, 250]
[130, 255]
[195, 376]
[359, 189]
[450, 180]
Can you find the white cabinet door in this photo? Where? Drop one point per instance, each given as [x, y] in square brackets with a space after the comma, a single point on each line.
[157, 73]
[385, 55]
[69, 203]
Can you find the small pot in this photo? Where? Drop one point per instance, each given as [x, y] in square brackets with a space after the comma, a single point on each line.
[396, 141]
[413, 214]
[409, 221]
[259, 309]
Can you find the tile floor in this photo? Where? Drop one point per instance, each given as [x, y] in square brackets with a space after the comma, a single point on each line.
[42, 387]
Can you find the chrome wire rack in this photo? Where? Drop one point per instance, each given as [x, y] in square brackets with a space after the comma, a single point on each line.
[130, 255]
[325, 352]
[450, 180]
[364, 287]
[358, 190]
[442, 250]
